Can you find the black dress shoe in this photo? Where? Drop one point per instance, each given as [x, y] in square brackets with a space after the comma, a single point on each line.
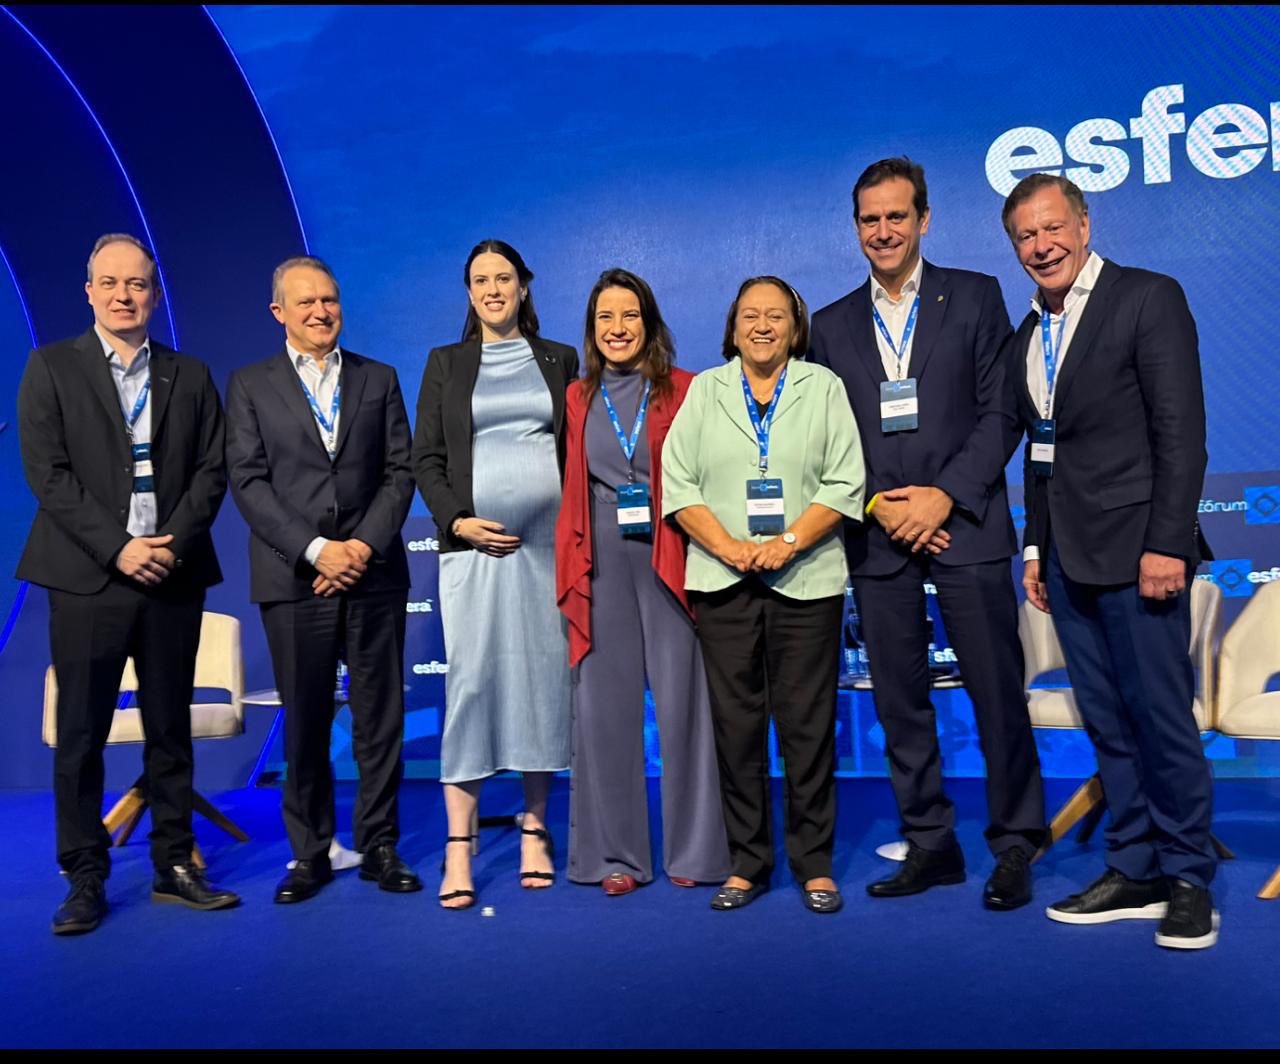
[1191, 922]
[83, 908]
[1113, 896]
[186, 885]
[304, 880]
[737, 897]
[921, 870]
[823, 901]
[383, 864]
[1010, 884]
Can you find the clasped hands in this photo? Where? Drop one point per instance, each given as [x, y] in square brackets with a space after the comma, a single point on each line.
[915, 514]
[147, 559]
[747, 557]
[341, 564]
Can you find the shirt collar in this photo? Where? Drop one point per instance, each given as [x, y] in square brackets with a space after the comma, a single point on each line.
[909, 287]
[1084, 283]
[333, 358]
[141, 358]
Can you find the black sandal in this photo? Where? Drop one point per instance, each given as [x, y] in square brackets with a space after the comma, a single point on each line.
[456, 893]
[545, 836]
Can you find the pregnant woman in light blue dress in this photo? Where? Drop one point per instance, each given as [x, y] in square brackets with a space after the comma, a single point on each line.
[489, 457]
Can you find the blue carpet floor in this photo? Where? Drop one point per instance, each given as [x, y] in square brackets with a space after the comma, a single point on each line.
[571, 968]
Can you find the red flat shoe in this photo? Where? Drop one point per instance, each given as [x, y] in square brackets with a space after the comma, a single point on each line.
[680, 881]
[619, 883]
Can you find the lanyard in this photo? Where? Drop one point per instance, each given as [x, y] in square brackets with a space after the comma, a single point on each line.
[899, 350]
[1052, 352]
[326, 426]
[628, 445]
[762, 426]
[131, 420]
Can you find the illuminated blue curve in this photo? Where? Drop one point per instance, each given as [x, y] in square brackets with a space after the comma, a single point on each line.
[265, 125]
[22, 300]
[146, 229]
[21, 597]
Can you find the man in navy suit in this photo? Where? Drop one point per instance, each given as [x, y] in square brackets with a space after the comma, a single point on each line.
[1109, 374]
[318, 459]
[922, 352]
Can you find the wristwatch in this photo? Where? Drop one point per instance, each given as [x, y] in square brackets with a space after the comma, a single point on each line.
[789, 538]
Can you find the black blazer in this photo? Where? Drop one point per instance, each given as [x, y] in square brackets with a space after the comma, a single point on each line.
[442, 435]
[1129, 454]
[969, 426]
[288, 490]
[76, 456]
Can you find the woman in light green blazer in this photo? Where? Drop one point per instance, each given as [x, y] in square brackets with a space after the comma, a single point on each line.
[761, 466]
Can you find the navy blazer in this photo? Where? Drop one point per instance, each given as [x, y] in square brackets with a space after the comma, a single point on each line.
[290, 492]
[969, 424]
[76, 456]
[1129, 455]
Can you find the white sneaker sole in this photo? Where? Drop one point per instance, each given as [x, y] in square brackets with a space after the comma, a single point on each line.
[1155, 911]
[1203, 942]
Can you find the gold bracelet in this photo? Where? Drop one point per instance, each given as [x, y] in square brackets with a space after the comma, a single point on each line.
[872, 504]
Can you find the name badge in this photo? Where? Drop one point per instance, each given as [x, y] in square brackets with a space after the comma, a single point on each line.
[1042, 445]
[634, 518]
[765, 513]
[899, 406]
[144, 479]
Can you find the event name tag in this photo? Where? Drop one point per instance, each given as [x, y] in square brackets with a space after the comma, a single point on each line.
[1042, 447]
[144, 479]
[899, 406]
[633, 510]
[765, 511]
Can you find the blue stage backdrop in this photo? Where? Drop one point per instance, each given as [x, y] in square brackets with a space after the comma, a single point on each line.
[696, 146]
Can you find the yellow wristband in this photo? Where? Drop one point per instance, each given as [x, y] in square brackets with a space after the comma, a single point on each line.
[872, 504]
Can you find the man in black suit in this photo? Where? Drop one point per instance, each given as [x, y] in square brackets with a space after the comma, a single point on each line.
[122, 446]
[921, 351]
[318, 456]
[1109, 373]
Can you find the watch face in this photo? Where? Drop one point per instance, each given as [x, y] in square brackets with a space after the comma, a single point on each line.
[788, 537]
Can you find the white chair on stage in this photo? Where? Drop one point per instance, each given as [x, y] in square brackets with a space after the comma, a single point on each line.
[219, 666]
[1249, 657]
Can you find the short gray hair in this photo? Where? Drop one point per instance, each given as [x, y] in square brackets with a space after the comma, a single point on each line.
[124, 238]
[1033, 183]
[277, 277]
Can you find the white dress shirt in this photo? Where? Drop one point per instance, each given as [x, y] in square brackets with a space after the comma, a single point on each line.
[895, 314]
[322, 385]
[129, 381]
[1037, 379]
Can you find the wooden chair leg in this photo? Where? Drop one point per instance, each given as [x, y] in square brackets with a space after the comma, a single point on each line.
[206, 809]
[131, 803]
[197, 858]
[1090, 823]
[1223, 851]
[1271, 889]
[1087, 796]
[126, 831]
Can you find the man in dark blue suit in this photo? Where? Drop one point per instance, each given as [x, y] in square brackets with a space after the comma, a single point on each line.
[922, 352]
[1109, 372]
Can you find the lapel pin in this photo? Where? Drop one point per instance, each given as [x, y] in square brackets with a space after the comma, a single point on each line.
[941, 298]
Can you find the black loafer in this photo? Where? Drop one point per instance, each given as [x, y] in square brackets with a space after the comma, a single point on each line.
[921, 870]
[823, 901]
[186, 885]
[737, 897]
[304, 881]
[1010, 884]
[383, 864]
[83, 908]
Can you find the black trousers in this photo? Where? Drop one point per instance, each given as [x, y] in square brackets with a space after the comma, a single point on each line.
[767, 654]
[307, 638]
[90, 636]
[980, 613]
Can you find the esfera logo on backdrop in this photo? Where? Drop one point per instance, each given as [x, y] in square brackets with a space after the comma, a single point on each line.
[430, 668]
[425, 606]
[1237, 577]
[416, 545]
[1223, 141]
[1260, 505]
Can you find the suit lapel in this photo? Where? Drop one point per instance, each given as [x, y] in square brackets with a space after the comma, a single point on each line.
[99, 374]
[797, 373]
[1095, 313]
[284, 379]
[731, 399]
[1023, 344]
[351, 379]
[862, 334]
[556, 384]
[934, 293]
[164, 375]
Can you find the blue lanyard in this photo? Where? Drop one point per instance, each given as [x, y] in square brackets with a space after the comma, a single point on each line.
[900, 350]
[131, 420]
[628, 445]
[762, 426]
[325, 425]
[1052, 352]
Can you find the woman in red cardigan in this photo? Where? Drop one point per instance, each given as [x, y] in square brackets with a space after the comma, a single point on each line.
[620, 584]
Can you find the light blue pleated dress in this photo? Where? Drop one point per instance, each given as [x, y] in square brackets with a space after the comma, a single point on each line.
[507, 688]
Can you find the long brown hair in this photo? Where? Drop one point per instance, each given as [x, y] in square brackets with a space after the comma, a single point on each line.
[659, 352]
[527, 319]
